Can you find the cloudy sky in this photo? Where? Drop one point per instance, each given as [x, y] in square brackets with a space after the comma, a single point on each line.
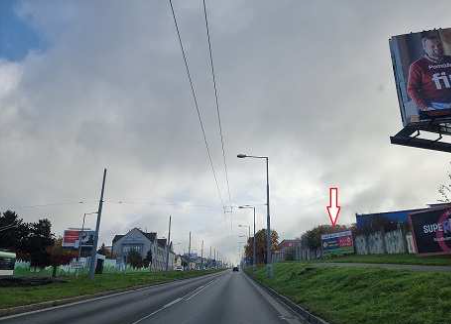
[86, 85]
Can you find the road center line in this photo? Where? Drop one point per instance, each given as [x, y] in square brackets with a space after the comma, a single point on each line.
[202, 288]
[175, 301]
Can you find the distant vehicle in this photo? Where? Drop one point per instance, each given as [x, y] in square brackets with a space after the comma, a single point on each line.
[7, 262]
[178, 268]
[235, 269]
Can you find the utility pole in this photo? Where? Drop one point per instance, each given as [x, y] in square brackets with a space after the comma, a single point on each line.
[189, 250]
[202, 256]
[96, 235]
[168, 245]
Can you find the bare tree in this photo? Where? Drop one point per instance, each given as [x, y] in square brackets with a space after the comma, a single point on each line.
[445, 190]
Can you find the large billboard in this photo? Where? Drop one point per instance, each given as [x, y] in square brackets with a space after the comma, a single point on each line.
[337, 243]
[432, 231]
[422, 67]
[73, 237]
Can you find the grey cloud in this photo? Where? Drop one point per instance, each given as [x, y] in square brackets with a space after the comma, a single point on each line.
[298, 81]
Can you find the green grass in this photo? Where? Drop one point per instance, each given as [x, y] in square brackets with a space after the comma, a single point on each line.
[363, 295]
[440, 260]
[17, 296]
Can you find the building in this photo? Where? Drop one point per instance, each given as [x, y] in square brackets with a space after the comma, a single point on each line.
[377, 220]
[146, 244]
[162, 250]
[286, 250]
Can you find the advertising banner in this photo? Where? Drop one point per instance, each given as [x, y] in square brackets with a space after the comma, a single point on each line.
[337, 243]
[432, 231]
[73, 237]
[422, 67]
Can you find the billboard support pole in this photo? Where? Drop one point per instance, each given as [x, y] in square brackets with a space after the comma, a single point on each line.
[96, 234]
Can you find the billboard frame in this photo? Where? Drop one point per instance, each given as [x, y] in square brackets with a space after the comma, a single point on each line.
[411, 136]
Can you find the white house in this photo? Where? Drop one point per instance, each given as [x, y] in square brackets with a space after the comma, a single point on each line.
[147, 244]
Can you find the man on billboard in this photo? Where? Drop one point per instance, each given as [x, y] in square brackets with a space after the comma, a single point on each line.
[429, 80]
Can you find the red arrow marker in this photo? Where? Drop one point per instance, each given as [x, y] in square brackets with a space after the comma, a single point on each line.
[333, 209]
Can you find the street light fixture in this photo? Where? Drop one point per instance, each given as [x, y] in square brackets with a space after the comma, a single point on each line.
[269, 271]
[254, 253]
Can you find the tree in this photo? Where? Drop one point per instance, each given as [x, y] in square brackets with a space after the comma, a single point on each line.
[59, 256]
[135, 259]
[148, 259]
[29, 240]
[445, 190]
[260, 245]
[37, 243]
[13, 238]
[312, 238]
[104, 251]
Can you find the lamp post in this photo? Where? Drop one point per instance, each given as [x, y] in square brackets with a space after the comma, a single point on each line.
[254, 253]
[81, 233]
[269, 271]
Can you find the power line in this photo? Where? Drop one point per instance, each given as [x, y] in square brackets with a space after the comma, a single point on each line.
[49, 204]
[215, 87]
[207, 147]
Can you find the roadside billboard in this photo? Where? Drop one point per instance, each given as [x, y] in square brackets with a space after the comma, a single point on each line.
[432, 231]
[339, 243]
[73, 237]
[422, 68]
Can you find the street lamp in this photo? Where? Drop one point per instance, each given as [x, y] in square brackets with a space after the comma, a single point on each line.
[253, 240]
[269, 271]
[81, 233]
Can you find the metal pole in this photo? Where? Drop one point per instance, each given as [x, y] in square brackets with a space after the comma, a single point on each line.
[254, 252]
[268, 230]
[189, 251]
[189, 246]
[80, 235]
[167, 245]
[96, 235]
[202, 256]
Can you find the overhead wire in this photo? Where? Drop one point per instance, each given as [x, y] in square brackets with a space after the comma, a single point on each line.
[215, 87]
[196, 104]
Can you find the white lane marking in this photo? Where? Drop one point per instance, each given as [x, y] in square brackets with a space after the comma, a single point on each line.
[283, 310]
[199, 290]
[196, 291]
[175, 301]
[91, 299]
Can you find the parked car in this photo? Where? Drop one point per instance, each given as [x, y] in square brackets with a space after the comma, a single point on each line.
[236, 269]
[178, 268]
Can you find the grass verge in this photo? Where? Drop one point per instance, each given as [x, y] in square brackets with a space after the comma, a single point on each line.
[18, 296]
[413, 259]
[363, 295]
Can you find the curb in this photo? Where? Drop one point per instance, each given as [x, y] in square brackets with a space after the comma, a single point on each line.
[60, 302]
[306, 315]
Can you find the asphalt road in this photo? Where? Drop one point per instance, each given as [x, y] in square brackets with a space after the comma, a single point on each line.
[229, 297]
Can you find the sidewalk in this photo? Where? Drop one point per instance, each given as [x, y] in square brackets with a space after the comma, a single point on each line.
[385, 266]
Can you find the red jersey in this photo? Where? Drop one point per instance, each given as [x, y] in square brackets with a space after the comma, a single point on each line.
[429, 83]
